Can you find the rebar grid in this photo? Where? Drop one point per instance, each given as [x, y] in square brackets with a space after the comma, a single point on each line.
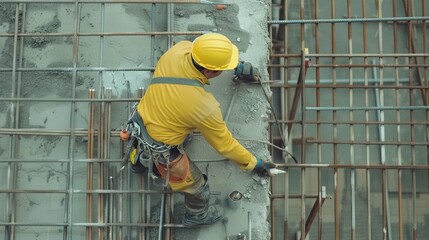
[108, 205]
[358, 115]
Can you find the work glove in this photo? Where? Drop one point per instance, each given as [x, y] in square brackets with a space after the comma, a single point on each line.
[245, 72]
[262, 168]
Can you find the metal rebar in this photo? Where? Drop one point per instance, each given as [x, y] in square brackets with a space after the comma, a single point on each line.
[353, 55]
[351, 128]
[78, 69]
[348, 20]
[367, 108]
[335, 132]
[90, 165]
[14, 120]
[112, 1]
[99, 34]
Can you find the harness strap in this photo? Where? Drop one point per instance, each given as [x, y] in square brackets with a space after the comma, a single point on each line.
[179, 81]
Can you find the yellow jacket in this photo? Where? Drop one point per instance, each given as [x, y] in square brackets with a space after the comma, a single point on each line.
[170, 111]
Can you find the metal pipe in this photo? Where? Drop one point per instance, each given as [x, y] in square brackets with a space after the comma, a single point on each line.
[348, 20]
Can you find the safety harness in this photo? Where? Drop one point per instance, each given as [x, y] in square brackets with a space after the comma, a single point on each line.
[148, 150]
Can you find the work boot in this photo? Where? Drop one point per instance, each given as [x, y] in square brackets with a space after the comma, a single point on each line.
[198, 211]
[213, 214]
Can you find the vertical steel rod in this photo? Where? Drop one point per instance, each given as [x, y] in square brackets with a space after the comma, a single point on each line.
[101, 127]
[334, 116]
[303, 143]
[408, 9]
[100, 177]
[351, 129]
[285, 110]
[70, 184]
[398, 119]
[318, 117]
[367, 134]
[90, 165]
[14, 122]
[108, 175]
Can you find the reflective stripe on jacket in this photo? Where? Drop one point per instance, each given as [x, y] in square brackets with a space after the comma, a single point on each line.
[172, 111]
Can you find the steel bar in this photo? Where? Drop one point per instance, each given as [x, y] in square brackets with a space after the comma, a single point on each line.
[78, 69]
[297, 94]
[412, 43]
[314, 210]
[71, 100]
[356, 166]
[101, 34]
[345, 65]
[108, 177]
[408, 8]
[348, 86]
[367, 131]
[90, 165]
[14, 120]
[82, 224]
[355, 122]
[348, 20]
[101, 152]
[343, 142]
[303, 129]
[111, 1]
[348, 55]
[285, 94]
[351, 128]
[334, 116]
[398, 129]
[411, 107]
[70, 183]
[318, 127]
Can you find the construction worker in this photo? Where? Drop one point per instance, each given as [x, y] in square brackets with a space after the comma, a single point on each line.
[175, 104]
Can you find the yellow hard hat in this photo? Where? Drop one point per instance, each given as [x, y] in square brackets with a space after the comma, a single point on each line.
[214, 51]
